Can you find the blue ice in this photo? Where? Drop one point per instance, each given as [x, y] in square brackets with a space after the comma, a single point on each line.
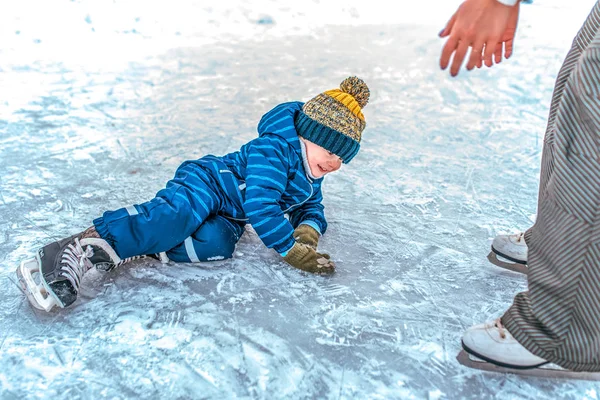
[99, 104]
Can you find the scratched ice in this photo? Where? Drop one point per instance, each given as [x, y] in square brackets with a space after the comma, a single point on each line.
[100, 102]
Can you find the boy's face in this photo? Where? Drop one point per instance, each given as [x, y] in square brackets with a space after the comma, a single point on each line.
[320, 160]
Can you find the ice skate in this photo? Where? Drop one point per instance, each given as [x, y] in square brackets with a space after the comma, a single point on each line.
[53, 276]
[510, 252]
[490, 347]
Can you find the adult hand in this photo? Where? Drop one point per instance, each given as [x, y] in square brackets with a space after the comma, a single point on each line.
[507, 40]
[482, 25]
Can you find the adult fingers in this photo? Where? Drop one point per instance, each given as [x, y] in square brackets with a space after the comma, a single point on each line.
[475, 57]
[490, 48]
[498, 53]
[459, 56]
[508, 48]
[446, 31]
[447, 51]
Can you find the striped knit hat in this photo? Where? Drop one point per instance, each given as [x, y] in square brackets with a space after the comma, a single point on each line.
[334, 119]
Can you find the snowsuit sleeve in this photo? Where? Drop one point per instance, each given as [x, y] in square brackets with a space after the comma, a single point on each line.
[310, 213]
[266, 180]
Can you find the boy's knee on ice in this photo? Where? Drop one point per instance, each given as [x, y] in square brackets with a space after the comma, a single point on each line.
[214, 240]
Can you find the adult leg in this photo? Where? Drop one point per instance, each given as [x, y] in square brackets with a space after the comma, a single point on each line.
[557, 319]
[514, 247]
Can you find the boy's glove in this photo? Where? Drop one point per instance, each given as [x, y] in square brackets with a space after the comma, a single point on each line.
[307, 234]
[304, 257]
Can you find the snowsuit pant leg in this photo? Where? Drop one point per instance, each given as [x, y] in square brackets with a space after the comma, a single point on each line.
[557, 318]
[215, 239]
[165, 221]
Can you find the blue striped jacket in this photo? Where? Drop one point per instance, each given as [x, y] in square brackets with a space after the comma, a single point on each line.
[273, 169]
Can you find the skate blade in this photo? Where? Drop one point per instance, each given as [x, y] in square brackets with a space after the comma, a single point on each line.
[545, 371]
[37, 294]
[512, 266]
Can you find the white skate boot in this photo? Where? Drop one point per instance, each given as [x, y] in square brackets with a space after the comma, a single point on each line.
[490, 347]
[492, 343]
[511, 248]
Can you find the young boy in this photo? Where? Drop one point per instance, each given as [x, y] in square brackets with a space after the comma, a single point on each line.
[200, 215]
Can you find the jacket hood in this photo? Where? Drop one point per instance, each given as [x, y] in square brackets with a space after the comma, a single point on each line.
[280, 121]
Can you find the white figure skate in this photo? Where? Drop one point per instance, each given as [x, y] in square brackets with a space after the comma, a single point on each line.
[490, 347]
[510, 252]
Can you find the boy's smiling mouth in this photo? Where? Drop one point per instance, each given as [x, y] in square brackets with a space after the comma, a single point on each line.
[322, 169]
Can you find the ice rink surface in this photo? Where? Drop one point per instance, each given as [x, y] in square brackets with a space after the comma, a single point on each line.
[99, 104]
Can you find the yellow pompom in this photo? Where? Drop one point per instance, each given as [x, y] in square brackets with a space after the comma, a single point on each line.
[357, 88]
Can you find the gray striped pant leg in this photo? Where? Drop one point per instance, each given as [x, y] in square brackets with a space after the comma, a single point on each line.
[580, 43]
[557, 319]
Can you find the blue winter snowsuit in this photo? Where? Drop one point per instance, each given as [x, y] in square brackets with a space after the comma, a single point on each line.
[201, 213]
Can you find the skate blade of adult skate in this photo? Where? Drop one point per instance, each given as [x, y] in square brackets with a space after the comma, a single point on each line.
[506, 263]
[38, 294]
[544, 371]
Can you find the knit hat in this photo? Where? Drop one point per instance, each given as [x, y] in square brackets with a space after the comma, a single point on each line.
[334, 119]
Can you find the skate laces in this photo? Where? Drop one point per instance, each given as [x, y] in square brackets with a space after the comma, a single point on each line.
[75, 262]
[109, 266]
[129, 259]
[498, 324]
[162, 257]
